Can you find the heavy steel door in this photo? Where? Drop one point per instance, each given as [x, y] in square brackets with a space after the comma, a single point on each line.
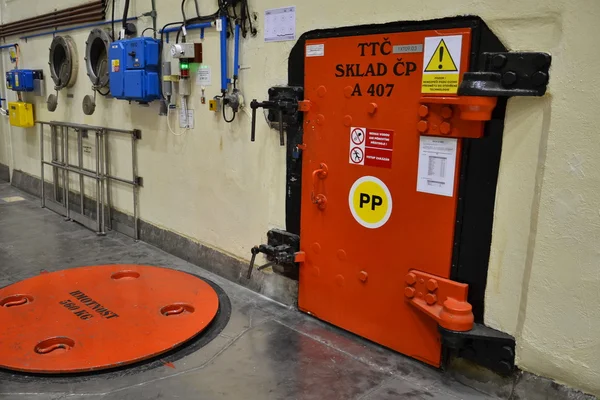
[364, 224]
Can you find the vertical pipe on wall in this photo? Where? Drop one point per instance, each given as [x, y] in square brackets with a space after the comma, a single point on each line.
[224, 68]
[80, 163]
[43, 192]
[66, 185]
[135, 186]
[236, 54]
[53, 144]
[98, 227]
[63, 175]
[107, 180]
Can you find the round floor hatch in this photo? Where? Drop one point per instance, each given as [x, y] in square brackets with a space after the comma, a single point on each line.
[100, 317]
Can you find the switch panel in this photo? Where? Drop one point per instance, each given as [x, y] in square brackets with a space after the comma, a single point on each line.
[135, 69]
[23, 80]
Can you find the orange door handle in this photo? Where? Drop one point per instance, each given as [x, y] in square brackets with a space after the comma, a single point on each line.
[319, 199]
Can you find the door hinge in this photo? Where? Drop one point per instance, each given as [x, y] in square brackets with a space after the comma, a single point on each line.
[484, 346]
[441, 299]
[499, 75]
[508, 74]
[445, 301]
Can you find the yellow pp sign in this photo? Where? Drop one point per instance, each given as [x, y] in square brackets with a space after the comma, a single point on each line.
[370, 202]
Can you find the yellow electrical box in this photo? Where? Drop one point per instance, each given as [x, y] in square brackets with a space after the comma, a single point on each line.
[21, 114]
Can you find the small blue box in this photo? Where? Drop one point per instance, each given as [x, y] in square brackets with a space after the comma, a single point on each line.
[135, 69]
[22, 80]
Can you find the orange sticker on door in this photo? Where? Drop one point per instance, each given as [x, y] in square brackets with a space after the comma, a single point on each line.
[371, 147]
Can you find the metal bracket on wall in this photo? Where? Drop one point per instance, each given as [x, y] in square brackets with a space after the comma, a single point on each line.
[484, 346]
[284, 104]
[508, 74]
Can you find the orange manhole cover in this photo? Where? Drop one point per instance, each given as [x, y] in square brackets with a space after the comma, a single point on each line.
[100, 317]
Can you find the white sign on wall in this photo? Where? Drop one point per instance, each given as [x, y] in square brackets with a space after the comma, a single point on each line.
[280, 24]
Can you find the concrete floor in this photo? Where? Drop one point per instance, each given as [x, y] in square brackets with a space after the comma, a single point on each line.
[266, 351]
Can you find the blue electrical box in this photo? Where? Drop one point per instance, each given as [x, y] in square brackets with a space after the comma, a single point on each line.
[135, 69]
[23, 80]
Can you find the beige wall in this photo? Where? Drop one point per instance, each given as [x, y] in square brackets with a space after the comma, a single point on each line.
[216, 187]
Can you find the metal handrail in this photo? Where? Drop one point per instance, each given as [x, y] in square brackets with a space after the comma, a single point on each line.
[101, 174]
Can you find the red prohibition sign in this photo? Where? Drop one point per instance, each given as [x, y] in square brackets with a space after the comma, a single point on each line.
[357, 136]
[356, 155]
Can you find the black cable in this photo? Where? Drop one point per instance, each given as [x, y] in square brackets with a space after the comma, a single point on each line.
[148, 29]
[197, 8]
[125, 12]
[179, 32]
[253, 30]
[103, 94]
[113, 20]
[183, 11]
[225, 118]
[162, 31]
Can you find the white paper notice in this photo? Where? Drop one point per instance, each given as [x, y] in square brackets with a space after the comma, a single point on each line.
[315, 50]
[437, 164]
[280, 24]
[204, 76]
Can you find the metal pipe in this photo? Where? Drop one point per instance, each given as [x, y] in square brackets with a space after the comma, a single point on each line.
[80, 162]
[66, 172]
[91, 174]
[189, 27]
[54, 14]
[6, 46]
[136, 233]
[107, 181]
[87, 127]
[71, 169]
[87, 17]
[53, 144]
[223, 41]
[73, 28]
[55, 20]
[101, 152]
[153, 15]
[99, 229]
[236, 54]
[43, 199]
[125, 12]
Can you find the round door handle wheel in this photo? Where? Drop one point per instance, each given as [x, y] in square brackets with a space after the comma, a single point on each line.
[100, 313]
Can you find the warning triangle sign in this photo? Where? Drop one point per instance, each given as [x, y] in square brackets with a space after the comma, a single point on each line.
[441, 60]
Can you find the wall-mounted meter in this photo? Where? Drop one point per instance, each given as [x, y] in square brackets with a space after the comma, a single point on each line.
[135, 69]
[24, 80]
